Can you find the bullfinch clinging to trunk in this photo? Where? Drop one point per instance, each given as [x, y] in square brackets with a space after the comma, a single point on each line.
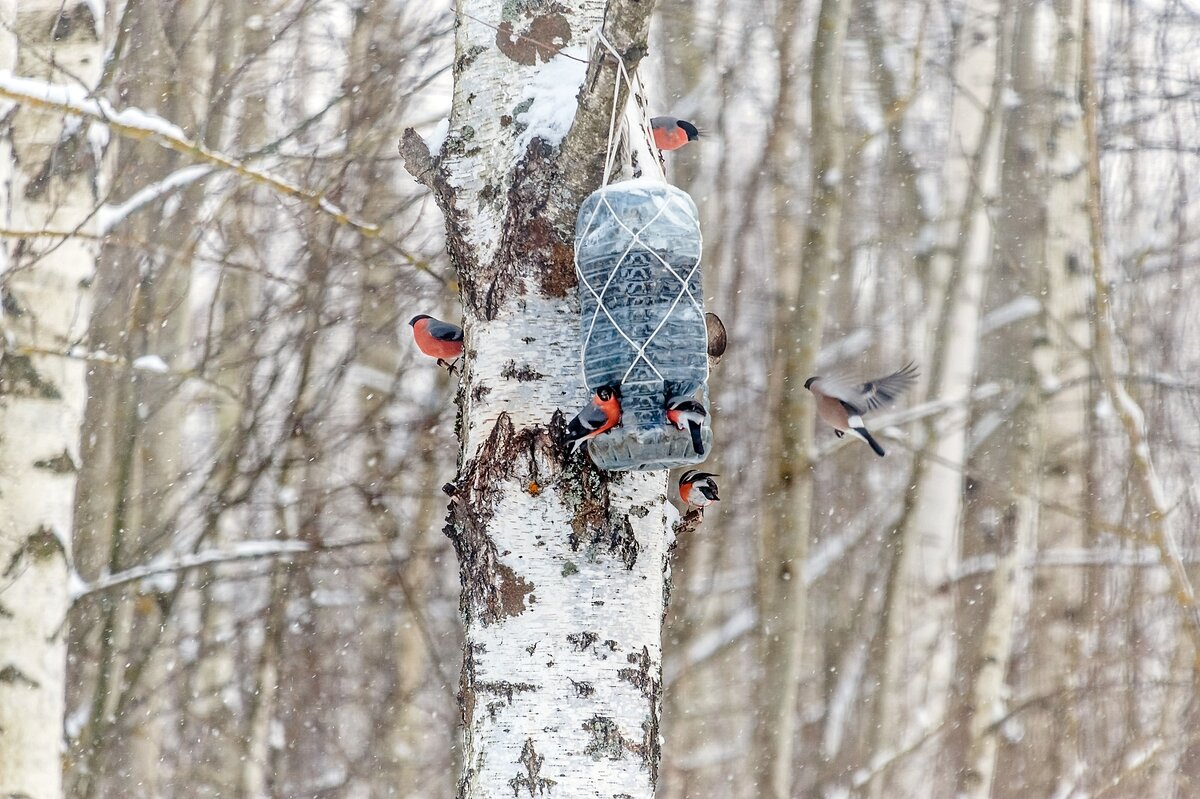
[603, 414]
[842, 403]
[685, 412]
[438, 339]
[671, 133]
[698, 489]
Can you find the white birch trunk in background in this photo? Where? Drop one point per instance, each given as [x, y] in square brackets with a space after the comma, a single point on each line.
[1060, 644]
[46, 308]
[785, 533]
[1006, 517]
[562, 567]
[920, 650]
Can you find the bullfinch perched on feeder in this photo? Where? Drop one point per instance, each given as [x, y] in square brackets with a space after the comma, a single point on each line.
[671, 133]
[685, 412]
[438, 339]
[603, 414]
[698, 489]
[841, 404]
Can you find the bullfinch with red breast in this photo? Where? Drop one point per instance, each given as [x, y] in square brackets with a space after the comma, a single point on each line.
[841, 403]
[671, 133]
[603, 414]
[438, 339]
[698, 489]
[685, 412]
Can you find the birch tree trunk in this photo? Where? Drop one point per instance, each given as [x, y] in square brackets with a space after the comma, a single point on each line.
[1002, 512]
[45, 287]
[782, 593]
[919, 642]
[562, 567]
[1059, 642]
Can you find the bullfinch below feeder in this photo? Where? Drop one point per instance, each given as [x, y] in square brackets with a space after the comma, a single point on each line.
[438, 339]
[671, 133]
[685, 412]
[603, 414]
[698, 489]
[841, 404]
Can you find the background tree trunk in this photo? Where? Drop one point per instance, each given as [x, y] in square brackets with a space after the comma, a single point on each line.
[785, 534]
[45, 288]
[919, 644]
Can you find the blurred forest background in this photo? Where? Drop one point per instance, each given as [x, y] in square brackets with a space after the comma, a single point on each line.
[261, 600]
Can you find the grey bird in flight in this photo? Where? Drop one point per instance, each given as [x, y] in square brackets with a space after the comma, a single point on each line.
[842, 403]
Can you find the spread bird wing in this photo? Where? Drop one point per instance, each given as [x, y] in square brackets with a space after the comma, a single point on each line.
[858, 398]
[444, 331]
[884, 390]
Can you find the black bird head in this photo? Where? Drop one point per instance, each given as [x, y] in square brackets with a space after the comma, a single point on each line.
[418, 318]
[693, 133]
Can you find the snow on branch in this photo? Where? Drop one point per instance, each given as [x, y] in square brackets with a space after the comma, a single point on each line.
[109, 216]
[168, 567]
[137, 124]
[246, 550]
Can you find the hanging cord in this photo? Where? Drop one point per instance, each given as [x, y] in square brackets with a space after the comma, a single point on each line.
[622, 74]
[643, 124]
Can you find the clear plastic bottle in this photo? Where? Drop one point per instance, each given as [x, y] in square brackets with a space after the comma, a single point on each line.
[637, 255]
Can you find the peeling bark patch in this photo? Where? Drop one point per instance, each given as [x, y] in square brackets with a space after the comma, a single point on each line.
[523, 374]
[479, 392]
[591, 507]
[582, 641]
[513, 590]
[505, 689]
[644, 677]
[607, 742]
[62, 464]
[531, 779]
[543, 38]
[583, 689]
[18, 378]
[40, 545]
[11, 675]
[623, 543]
[640, 676]
[466, 687]
[532, 242]
[491, 591]
[649, 750]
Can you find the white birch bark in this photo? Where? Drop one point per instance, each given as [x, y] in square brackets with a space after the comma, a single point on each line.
[920, 648]
[47, 304]
[785, 534]
[1059, 643]
[562, 567]
[1009, 589]
[1004, 520]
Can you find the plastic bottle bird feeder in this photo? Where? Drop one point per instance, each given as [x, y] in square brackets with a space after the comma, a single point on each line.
[637, 254]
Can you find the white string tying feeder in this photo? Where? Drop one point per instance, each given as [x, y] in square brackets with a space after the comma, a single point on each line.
[637, 257]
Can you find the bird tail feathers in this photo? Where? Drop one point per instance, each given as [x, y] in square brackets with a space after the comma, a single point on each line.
[866, 436]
